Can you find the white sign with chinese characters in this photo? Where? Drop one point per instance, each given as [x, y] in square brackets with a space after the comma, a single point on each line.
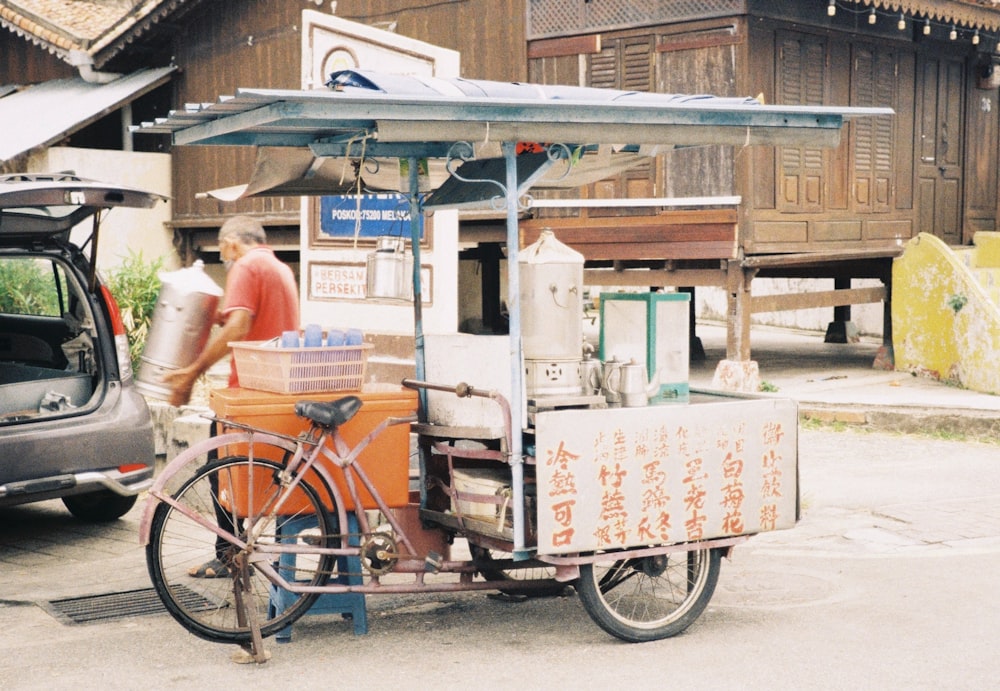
[627, 477]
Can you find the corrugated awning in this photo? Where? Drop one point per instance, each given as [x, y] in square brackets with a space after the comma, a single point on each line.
[44, 114]
[369, 118]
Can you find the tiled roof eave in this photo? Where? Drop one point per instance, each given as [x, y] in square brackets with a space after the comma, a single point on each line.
[104, 43]
[38, 34]
[980, 14]
[131, 27]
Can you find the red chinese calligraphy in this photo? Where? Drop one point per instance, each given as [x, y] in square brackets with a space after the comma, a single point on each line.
[654, 497]
[619, 449]
[563, 512]
[771, 485]
[772, 433]
[563, 481]
[661, 443]
[561, 538]
[732, 494]
[768, 516]
[563, 516]
[609, 477]
[695, 525]
[694, 497]
[612, 515]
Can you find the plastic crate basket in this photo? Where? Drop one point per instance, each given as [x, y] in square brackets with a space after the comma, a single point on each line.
[263, 366]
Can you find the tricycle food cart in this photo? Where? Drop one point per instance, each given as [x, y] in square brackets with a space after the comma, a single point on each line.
[634, 506]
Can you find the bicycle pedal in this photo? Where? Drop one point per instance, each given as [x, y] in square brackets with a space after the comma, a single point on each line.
[432, 562]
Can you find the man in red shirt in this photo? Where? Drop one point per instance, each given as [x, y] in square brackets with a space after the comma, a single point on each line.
[260, 302]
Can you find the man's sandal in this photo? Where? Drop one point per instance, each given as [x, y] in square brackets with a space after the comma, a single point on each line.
[210, 569]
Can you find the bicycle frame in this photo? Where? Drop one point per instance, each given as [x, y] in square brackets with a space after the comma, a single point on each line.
[307, 450]
[636, 594]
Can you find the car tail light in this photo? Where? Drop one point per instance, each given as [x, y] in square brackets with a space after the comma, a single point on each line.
[121, 338]
[131, 467]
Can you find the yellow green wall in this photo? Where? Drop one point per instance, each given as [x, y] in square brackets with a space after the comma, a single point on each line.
[944, 323]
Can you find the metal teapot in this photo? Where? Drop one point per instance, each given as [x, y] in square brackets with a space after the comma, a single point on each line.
[591, 377]
[627, 382]
[611, 381]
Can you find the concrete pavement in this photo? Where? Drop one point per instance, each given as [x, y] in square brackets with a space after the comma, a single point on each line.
[838, 383]
[871, 497]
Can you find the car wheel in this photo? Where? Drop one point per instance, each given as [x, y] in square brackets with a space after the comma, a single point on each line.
[99, 507]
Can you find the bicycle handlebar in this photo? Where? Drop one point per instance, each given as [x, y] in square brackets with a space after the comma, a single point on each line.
[464, 390]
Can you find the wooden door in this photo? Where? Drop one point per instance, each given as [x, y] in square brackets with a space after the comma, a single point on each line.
[940, 147]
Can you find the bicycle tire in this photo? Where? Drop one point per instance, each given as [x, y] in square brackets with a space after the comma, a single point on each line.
[207, 606]
[486, 561]
[649, 598]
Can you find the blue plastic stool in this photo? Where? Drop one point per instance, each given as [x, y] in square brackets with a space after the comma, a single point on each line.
[351, 605]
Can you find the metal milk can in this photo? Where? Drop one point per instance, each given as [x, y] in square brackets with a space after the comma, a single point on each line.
[551, 293]
[551, 299]
[390, 270]
[182, 321]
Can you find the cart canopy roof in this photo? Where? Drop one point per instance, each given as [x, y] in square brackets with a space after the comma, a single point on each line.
[345, 138]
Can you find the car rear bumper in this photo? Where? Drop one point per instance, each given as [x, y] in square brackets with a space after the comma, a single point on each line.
[57, 486]
[80, 454]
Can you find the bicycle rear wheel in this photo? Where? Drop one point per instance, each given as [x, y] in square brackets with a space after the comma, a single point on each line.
[649, 598]
[489, 563]
[181, 539]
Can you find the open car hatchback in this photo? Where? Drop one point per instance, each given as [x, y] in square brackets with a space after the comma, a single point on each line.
[72, 425]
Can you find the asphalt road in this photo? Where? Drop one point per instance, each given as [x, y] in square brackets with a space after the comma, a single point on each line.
[888, 582]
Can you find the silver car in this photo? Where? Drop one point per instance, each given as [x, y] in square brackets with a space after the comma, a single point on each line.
[72, 425]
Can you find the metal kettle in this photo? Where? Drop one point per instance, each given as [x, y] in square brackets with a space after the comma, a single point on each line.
[628, 382]
[611, 382]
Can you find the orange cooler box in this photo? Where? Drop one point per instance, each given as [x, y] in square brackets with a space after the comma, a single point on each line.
[386, 460]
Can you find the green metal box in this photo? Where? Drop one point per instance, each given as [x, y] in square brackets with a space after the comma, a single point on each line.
[652, 329]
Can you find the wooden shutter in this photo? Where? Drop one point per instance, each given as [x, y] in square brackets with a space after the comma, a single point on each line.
[874, 84]
[801, 81]
[627, 64]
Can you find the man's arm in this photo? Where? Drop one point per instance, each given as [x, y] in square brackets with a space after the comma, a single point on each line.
[181, 381]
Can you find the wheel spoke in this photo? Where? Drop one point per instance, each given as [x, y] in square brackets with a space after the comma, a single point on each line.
[651, 597]
[492, 565]
[184, 536]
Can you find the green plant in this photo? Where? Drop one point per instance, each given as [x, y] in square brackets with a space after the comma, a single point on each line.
[768, 387]
[957, 302]
[27, 287]
[136, 285]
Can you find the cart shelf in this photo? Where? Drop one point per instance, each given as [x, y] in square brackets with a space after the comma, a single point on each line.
[454, 432]
[467, 524]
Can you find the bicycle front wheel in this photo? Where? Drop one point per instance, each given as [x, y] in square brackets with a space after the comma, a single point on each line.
[238, 495]
[649, 598]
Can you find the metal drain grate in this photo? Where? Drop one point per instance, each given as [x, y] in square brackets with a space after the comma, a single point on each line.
[130, 603]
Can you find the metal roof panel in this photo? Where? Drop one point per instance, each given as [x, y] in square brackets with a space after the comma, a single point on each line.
[577, 115]
[43, 114]
[400, 116]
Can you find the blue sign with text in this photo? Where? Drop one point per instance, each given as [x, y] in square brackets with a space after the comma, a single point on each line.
[365, 216]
